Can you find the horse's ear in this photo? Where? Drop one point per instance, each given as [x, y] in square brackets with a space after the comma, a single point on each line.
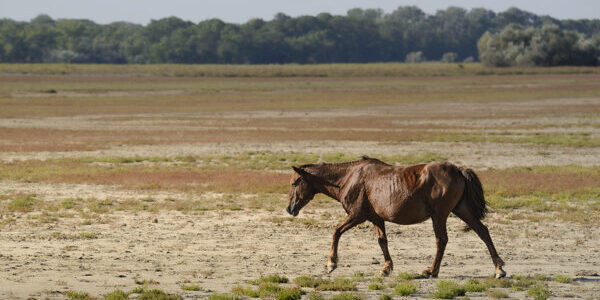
[300, 171]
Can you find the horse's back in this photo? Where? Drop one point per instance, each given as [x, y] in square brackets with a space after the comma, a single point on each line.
[409, 194]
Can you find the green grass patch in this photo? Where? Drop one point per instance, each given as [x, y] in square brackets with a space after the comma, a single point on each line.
[408, 276]
[78, 295]
[289, 294]
[309, 281]
[273, 278]
[539, 292]
[23, 203]
[338, 284]
[156, 294]
[474, 285]
[522, 282]
[376, 286]
[269, 290]
[405, 288]
[117, 295]
[497, 294]
[191, 287]
[448, 289]
[215, 296]
[315, 296]
[88, 235]
[563, 279]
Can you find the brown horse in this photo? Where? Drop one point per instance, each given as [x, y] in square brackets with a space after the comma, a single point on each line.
[371, 190]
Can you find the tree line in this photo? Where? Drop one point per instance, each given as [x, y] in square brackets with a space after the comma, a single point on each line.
[362, 35]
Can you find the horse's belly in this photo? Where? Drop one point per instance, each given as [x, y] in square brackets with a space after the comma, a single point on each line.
[403, 212]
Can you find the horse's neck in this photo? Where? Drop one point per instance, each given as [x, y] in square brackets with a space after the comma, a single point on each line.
[334, 174]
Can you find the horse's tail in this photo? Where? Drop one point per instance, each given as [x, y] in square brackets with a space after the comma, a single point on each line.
[472, 196]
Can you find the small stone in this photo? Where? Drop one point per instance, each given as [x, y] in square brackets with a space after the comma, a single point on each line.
[155, 220]
[374, 261]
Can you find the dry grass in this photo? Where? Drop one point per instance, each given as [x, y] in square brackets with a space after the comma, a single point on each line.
[288, 70]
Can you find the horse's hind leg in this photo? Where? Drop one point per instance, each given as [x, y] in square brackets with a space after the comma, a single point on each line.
[379, 226]
[484, 234]
[441, 238]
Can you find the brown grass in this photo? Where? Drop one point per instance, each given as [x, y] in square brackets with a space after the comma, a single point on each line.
[524, 182]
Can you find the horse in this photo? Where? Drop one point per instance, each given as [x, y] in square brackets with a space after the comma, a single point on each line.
[372, 190]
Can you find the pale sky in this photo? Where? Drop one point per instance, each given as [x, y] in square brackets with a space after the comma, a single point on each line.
[238, 11]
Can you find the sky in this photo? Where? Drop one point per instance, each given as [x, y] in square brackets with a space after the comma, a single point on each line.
[240, 11]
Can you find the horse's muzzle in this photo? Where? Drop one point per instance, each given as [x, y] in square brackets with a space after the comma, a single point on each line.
[292, 210]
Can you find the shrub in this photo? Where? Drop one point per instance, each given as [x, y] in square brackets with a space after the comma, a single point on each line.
[474, 285]
[539, 292]
[447, 289]
[563, 279]
[405, 288]
[346, 296]
[415, 57]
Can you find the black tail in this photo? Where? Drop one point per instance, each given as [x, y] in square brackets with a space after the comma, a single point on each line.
[473, 195]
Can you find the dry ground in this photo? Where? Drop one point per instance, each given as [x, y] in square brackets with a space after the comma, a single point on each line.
[177, 176]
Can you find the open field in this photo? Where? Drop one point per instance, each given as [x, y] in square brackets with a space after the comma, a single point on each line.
[174, 178]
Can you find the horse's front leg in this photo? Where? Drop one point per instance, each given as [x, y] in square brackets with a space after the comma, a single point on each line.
[379, 227]
[348, 223]
[441, 238]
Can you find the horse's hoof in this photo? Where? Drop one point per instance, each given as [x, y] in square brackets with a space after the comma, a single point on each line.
[331, 267]
[500, 274]
[385, 272]
[426, 273]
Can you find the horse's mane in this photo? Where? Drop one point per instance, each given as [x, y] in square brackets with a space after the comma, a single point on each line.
[353, 162]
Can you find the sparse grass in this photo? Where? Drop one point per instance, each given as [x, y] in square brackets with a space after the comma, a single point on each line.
[145, 281]
[474, 285]
[117, 295]
[338, 284]
[156, 294]
[269, 290]
[408, 276]
[191, 287]
[88, 235]
[405, 288]
[273, 278]
[498, 294]
[346, 296]
[23, 203]
[448, 289]
[522, 282]
[309, 281]
[376, 286]
[563, 279]
[315, 296]
[289, 294]
[385, 297]
[539, 292]
[215, 296]
[79, 295]
[570, 190]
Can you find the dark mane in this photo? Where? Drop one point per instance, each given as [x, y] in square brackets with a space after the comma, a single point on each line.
[362, 159]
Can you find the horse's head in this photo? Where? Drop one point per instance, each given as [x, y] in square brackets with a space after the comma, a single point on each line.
[301, 191]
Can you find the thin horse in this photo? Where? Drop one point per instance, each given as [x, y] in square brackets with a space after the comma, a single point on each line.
[371, 190]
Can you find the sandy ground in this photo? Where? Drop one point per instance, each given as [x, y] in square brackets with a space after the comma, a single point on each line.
[218, 250]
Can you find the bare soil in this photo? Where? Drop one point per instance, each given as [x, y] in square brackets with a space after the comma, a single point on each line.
[220, 249]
